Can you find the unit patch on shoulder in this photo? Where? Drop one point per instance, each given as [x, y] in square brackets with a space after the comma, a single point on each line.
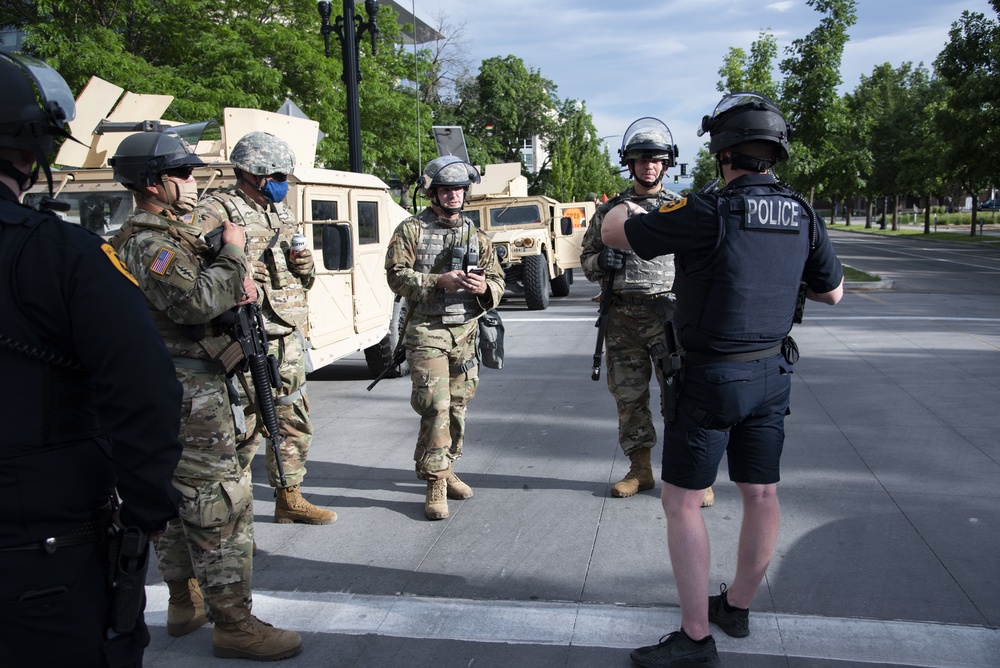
[673, 206]
[162, 262]
[117, 262]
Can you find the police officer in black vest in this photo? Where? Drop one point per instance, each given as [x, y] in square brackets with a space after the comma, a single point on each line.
[740, 255]
[89, 404]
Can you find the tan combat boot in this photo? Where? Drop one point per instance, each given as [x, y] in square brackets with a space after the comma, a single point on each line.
[458, 489]
[289, 506]
[436, 502]
[639, 476]
[251, 638]
[185, 608]
[709, 499]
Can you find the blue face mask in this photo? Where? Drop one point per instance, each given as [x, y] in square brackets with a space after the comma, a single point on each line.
[275, 191]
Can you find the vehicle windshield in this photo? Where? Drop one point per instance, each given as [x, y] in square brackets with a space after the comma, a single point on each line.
[513, 216]
[99, 212]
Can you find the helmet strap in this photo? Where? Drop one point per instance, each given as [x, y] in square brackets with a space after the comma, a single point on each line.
[450, 210]
[24, 181]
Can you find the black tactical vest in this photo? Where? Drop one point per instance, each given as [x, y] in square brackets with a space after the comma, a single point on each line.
[741, 297]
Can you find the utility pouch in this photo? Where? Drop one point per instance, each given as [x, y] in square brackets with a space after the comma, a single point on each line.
[489, 348]
[790, 350]
[129, 558]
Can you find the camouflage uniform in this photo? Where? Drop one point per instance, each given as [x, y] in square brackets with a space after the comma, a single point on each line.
[641, 304]
[441, 335]
[212, 539]
[285, 311]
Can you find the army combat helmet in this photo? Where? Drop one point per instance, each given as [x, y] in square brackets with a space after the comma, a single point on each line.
[747, 117]
[650, 139]
[142, 157]
[36, 105]
[448, 171]
[263, 154]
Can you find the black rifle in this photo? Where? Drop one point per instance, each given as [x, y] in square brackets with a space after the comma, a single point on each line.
[249, 332]
[670, 365]
[603, 315]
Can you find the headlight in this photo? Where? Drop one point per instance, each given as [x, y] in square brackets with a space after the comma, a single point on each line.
[501, 252]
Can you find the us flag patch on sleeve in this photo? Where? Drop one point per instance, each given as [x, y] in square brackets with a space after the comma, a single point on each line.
[162, 262]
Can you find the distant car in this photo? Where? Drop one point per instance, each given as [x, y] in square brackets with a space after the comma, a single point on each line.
[990, 205]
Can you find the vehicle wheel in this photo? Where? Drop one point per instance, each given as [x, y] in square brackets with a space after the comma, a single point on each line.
[561, 283]
[379, 356]
[536, 282]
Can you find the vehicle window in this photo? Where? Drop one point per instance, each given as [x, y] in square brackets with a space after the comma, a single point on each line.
[523, 214]
[100, 212]
[322, 209]
[473, 216]
[367, 222]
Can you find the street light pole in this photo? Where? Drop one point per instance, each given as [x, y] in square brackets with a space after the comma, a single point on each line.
[348, 28]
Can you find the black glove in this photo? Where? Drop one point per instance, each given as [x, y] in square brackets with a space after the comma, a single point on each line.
[610, 258]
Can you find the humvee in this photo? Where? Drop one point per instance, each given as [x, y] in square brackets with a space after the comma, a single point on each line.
[537, 239]
[348, 218]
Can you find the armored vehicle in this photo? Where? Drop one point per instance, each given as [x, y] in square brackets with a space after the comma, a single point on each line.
[347, 218]
[537, 239]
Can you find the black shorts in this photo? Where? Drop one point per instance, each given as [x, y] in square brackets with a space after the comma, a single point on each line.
[753, 398]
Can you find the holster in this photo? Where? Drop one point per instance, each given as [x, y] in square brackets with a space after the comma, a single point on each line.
[129, 558]
[670, 361]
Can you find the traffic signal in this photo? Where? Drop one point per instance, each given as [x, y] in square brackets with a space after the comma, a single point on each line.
[676, 178]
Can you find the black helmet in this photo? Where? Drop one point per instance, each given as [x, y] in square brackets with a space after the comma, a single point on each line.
[36, 104]
[142, 157]
[449, 171]
[648, 138]
[744, 117]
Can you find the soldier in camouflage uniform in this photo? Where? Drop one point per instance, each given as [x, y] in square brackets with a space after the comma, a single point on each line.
[186, 293]
[641, 301]
[262, 163]
[426, 263]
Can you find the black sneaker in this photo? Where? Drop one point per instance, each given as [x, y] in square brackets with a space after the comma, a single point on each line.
[735, 623]
[676, 650]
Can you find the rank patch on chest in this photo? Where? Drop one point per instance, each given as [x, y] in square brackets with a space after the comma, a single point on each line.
[162, 262]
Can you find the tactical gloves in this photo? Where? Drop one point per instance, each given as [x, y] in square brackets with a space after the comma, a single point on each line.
[301, 262]
[610, 258]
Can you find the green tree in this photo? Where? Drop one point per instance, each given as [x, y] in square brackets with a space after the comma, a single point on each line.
[740, 72]
[969, 120]
[578, 163]
[503, 106]
[809, 94]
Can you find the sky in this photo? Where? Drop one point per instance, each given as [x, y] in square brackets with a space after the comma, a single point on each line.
[661, 58]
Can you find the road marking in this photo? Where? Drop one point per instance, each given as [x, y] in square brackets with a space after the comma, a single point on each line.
[922, 644]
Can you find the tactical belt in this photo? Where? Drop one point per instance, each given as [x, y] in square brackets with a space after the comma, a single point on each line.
[291, 398]
[199, 365]
[88, 532]
[698, 359]
[632, 300]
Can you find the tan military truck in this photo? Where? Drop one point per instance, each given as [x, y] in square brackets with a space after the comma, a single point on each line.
[537, 239]
[348, 218]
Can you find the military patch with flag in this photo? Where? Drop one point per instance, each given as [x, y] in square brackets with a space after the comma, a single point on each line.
[162, 262]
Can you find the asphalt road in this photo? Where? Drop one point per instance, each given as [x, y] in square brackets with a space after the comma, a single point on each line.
[890, 492]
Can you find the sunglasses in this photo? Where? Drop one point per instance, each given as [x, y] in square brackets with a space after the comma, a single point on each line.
[182, 173]
[279, 178]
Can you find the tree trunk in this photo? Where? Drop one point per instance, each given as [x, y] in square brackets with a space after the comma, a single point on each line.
[927, 215]
[895, 213]
[869, 212]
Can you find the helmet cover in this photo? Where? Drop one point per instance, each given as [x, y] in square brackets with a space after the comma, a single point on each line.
[262, 154]
[448, 171]
[648, 138]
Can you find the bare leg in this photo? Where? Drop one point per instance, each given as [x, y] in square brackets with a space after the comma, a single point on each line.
[758, 536]
[690, 555]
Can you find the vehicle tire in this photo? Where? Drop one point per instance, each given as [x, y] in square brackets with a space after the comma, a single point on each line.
[536, 282]
[379, 356]
[561, 283]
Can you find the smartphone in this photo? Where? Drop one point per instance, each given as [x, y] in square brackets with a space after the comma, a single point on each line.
[476, 270]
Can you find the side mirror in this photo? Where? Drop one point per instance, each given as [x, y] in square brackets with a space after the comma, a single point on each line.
[338, 247]
[566, 226]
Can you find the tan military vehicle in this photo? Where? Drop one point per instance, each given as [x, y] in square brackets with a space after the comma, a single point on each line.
[537, 239]
[348, 218]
